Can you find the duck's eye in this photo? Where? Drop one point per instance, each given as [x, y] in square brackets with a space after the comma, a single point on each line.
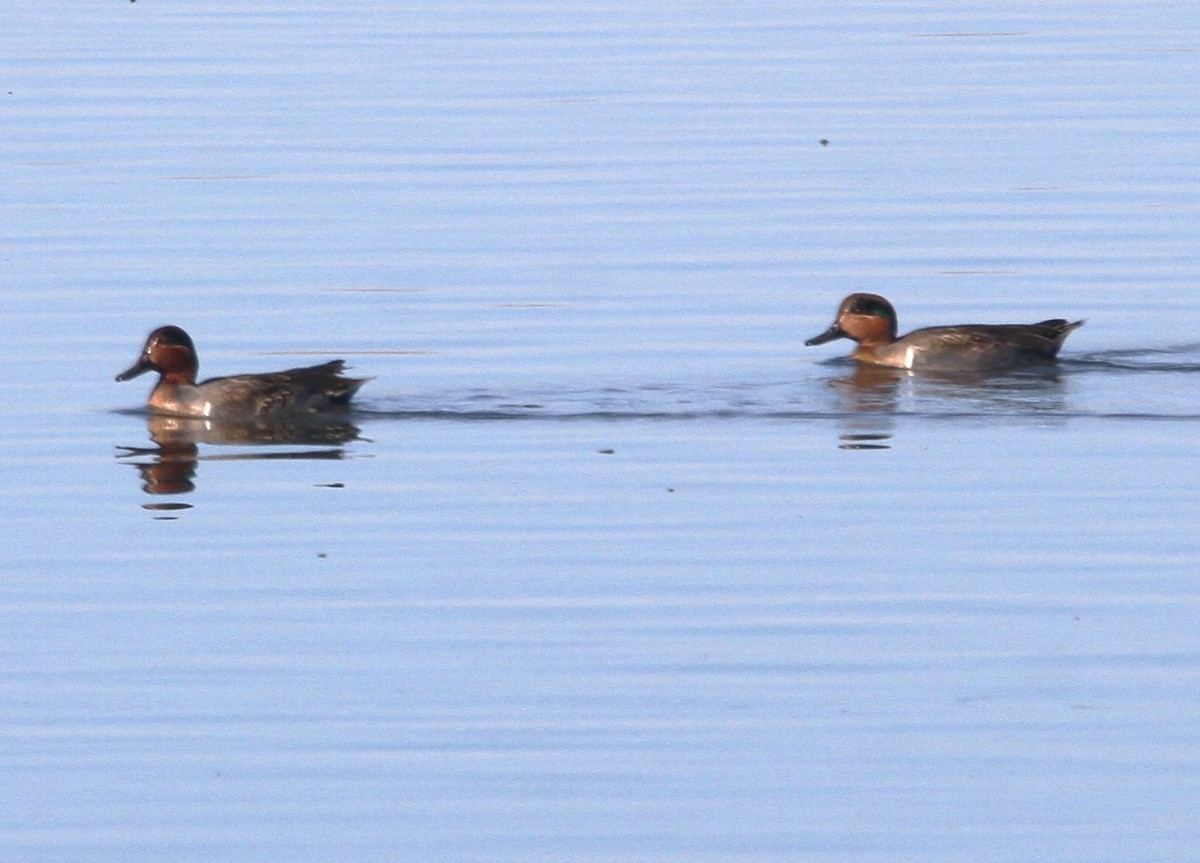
[871, 307]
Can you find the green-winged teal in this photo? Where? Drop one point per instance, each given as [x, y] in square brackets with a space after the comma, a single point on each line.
[294, 392]
[870, 320]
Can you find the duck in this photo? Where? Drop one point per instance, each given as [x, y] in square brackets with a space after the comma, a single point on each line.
[870, 320]
[291, 393]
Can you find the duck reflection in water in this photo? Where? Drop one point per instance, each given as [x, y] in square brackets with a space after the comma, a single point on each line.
[871, 397]
[170, 466]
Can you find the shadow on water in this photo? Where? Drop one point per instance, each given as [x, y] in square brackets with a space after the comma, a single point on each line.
[169, 467]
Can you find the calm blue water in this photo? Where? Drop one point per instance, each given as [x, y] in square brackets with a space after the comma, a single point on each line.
[606, 566]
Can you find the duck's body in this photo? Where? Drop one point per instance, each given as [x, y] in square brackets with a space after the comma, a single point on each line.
[870, 320]
[291, 393]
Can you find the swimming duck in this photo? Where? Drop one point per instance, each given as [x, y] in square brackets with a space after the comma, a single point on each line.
[870, 320]
[294, 392]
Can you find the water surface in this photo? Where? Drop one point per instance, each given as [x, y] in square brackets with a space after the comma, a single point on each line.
[606, 565]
